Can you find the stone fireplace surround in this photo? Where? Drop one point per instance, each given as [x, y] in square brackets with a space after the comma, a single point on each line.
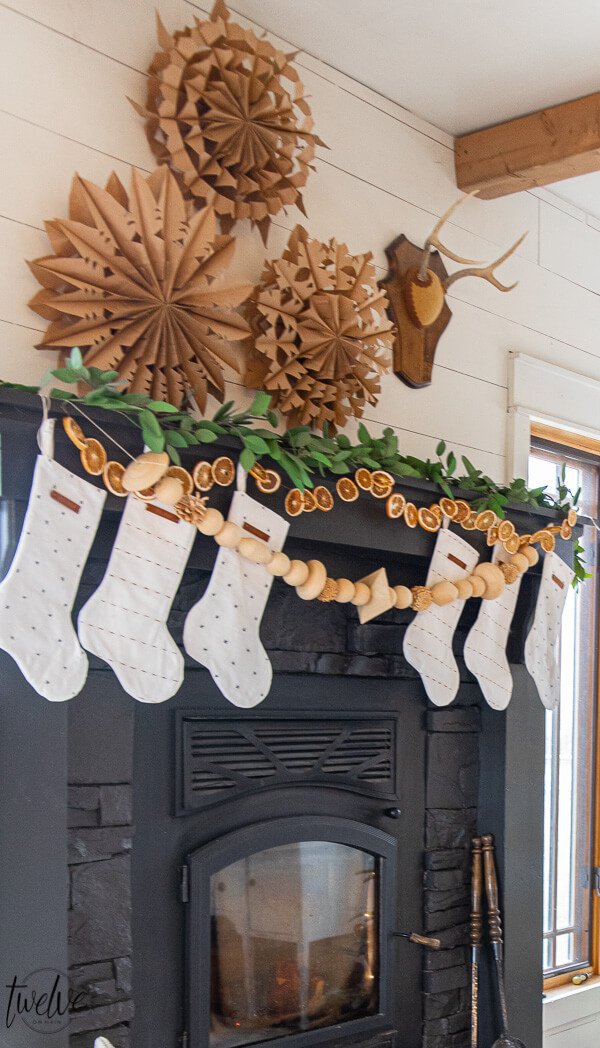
[460, 769]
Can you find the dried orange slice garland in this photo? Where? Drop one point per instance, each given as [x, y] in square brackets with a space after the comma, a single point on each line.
[378, 483]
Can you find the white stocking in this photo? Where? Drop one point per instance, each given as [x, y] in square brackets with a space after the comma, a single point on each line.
[428, 638]
[542, 647]
[125, 621]
[222, 630]
[485, 646]
[37, 594]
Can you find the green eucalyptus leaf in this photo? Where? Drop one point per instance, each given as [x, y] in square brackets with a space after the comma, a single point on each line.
[175, 440]
[247, 459]
[155, 442]
[441, 448]
[174, 455]
[261, 404]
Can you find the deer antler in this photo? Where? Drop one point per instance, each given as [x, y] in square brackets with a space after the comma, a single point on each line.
[488, 271]
[433, 240]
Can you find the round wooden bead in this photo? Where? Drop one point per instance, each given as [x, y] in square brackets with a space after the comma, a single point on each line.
[392, 596]
[421, 598]
[297, 574]
[465, 589]
[145, 470]
[229, 535]
[317, 577]
[443, 593]
[255, 550]
[531, 554]
[279, 564]
[477, 585]
[362, 594]
[169, 490]
[520, 561]
[211, 523]
[403, 596]
[345, 591]
[493, 579]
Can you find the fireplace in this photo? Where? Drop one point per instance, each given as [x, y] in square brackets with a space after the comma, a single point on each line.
[344, 787]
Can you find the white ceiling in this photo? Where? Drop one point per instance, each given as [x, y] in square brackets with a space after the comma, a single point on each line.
[460, 64]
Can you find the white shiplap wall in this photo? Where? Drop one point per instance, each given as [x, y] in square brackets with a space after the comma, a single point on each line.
[67, 67]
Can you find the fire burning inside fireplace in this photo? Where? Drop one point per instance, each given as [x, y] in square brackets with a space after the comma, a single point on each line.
[294, 941]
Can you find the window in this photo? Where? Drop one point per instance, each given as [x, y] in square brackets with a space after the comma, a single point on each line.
[570, 921]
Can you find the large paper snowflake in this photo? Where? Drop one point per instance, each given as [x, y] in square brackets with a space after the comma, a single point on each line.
[323, 337]
[133, 283]
[219, 115]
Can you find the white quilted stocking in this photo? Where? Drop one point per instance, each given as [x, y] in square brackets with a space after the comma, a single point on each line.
[125, 621]
[485, 646]
[222, 630]
[37, 594]
[428, 638]
[542, 647]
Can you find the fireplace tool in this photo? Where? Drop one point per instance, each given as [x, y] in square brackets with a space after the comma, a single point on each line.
[495, 926]
[475, 935]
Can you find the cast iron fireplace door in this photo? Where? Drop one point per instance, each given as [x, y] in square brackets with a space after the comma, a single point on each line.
[296, 918]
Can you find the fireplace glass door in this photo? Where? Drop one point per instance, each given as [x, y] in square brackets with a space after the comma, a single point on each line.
[288, 924]
[294, 941]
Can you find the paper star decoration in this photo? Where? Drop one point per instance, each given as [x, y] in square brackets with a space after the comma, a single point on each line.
[220, 116]
[133, 282]
[322, 334]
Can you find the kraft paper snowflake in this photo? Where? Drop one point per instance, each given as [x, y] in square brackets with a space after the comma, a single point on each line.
[133, 282]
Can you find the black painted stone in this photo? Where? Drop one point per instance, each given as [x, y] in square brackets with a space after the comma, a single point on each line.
[94, 845]
[452, 770]
[83, 806]
[444, 880]
[440, 1005]
[297, 625]
[436, 902]
[100, 734]
[119, 1036]
[446, 859]
[447, 828]
[375, 639]
[454, 935]
[441, 919]
[116, 805]
[100, 915]
[434, 959]
[98, 1019]
[445, 979]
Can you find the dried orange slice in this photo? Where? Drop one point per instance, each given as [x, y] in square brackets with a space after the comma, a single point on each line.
[506, 528]
[346, 489]
[381, 491]
[462, 511]
[202, 476]
[223, 471]
[435, 509]
[323, 498]
[448, 507]
[93, 457]
[74, 432]
[363, 478]
[309, 502]
[553, 528]
[572, 517]
[524, 540]
[537, 536]
[492, 535]
[395, 504]
[411, 515]
[565, 529]
[294, 503]
[181, 474]
[485, 520]
[511, 544]
[469, 522]
[258, 471]
[428, 520]
[146, 495]
[382, 479]
[270, 482]
[112, 474]
[547, 541]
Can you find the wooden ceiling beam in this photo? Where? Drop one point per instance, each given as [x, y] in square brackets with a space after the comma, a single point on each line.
[534, 150]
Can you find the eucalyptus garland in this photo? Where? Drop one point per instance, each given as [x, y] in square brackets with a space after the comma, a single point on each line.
[299, 451]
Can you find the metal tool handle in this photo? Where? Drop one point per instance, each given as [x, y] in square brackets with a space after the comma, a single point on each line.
[424, 940]
[491, 889]
[476, 887]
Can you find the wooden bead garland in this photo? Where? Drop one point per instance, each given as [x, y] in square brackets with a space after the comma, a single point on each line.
[443, 593]
[317, 577]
